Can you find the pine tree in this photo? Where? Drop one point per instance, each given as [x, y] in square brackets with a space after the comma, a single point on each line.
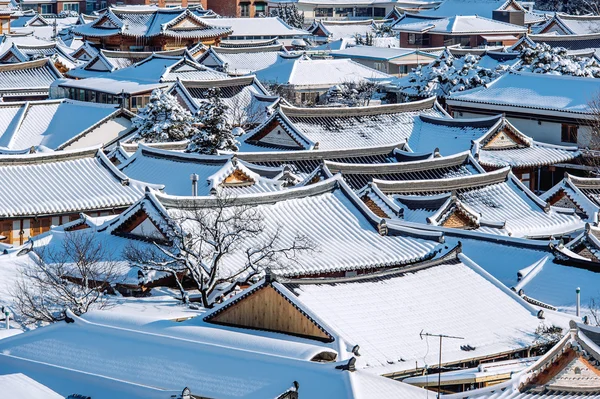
[556, 61]
[574, 7]
[289, 14]
[164, 119]
[449, 74]
[216, 132]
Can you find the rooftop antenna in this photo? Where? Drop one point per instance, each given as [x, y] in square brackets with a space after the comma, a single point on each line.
[441, 337]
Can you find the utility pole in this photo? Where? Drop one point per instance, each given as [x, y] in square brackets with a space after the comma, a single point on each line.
[441, 337]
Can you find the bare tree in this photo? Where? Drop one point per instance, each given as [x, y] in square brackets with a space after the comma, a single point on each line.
[547, 335]
[591, 155]
[74, 275]
[218, 241]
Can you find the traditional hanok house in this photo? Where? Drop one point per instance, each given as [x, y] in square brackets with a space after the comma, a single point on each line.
[381, 320]
[149, 29]
[213, 173]
[502, 10]
[548, 108]
[255, 30]
[495, 202]
[161, 68]
[305, 80]
[394, 61]
[248, 102]
[570, 369]
[323, 31]
[564, 24]
[105, 90]
[579, 44]
[93, 358]
[291, 128]
[350, 242]
[85, 53]
[59, 54]
[304, 163]
[242, 60]
[360, 176]
[41, 190]
[61, 125]
[578, 193]
[468, 31]
[29, 80]
[25, 19]
[106, 61]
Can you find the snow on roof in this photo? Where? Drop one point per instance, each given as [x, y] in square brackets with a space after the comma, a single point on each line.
[450, 8]
[573, 24]
[110, 86]
[336, 30]
[150, 22]
[355, 127]
[309, 73]
[49, 123]
[162, 68]
[242, 61]
[21, 386]
[348, 240]
[27, 76]
[360, 175]
[63, 182]
[385, 313]
[460, 25]
[116, 363]
[173, 169]
[503, 204]
[541, 94]
[257, 27]
[248, 101]
[535, 155]
[582, 194]
[371, 52]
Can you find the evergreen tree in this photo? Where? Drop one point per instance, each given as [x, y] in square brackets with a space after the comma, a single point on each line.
[555, 61]
[289, 14]
[216, 132]
[164, 119]
[574, 7]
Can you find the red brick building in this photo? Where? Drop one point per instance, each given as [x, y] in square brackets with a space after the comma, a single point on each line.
[238, 8]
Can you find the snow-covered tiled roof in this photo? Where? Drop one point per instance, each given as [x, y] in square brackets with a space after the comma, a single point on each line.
[533, 93]
[253, 28]
[110, 86]
[579, 193]
[572, 24]
[35, 76]
[150, 22]
[173, 169]
[248, 101]
[335, 30]
[19, 385]
[337, 128]
[51, 123]
[63, 182]
[450, 8]
[360, 175]
[106, 361]
[330, 215]
[242, 61]
[385, 313]
[319, 74]
[504, 204]
[461, 25]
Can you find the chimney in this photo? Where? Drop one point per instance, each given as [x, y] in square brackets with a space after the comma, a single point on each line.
[578, 311]
[194, 177]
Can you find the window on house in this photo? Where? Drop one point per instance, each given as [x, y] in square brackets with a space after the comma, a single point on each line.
[71, 7]
[260, 8]
[89, 6]
[244, 10]
[46, 8]
[418, 40]
[568, 133]
[380, 66]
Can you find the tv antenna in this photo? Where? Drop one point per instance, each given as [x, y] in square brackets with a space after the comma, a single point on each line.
[441, 337]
